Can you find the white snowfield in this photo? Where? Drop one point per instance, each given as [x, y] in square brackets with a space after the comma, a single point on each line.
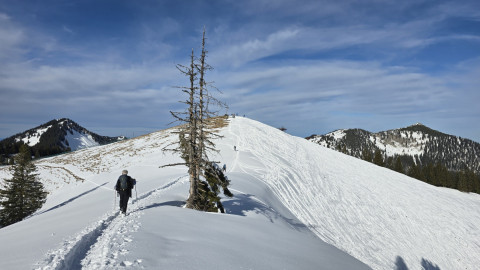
[297, 205]
[79, 140]
[411, 143]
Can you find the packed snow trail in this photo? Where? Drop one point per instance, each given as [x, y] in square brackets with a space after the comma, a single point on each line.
[98, 245]
[377, 215]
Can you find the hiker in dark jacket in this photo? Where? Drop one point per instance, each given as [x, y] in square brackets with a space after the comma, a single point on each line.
[124, 188]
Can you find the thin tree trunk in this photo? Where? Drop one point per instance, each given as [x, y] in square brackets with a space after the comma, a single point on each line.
[192, 139]
[201, 116]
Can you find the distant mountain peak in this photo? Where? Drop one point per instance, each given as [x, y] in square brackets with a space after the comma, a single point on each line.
[415, 144]
[56, 136]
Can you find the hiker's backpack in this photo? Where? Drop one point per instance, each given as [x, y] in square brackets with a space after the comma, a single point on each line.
[123, 182]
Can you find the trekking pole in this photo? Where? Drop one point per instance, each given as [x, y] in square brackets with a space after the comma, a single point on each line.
[136, 197]
[115, 202]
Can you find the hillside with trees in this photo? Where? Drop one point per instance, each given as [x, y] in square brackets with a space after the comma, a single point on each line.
[418, 151]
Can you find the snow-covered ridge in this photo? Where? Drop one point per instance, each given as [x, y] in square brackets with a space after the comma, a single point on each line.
[375, 214]
[77, 228]
[291, 196]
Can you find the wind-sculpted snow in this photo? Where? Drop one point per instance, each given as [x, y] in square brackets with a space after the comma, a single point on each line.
[373, 213]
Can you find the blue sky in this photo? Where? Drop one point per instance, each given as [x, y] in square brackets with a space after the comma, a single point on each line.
[310, 66]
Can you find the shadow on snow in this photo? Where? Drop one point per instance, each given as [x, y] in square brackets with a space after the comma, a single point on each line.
[241, 204]
[426, 264]
[72, 199]
[169, 203]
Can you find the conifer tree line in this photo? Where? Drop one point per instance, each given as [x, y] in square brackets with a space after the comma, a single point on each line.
[435, 174]
[196, 134]
[23, 194]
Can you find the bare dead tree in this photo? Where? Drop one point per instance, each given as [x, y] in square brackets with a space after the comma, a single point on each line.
[206, 134]
[195, 137]
[188, 130]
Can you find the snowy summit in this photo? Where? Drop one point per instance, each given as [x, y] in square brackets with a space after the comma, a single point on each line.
[296, 205]
[71, 134]
[54, 137]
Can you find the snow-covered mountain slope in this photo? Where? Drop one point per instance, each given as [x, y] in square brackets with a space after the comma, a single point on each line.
[53, 137]
[417, 144]
[70, 134]
[291, 196]
[79, 226]
[78, 140]
[371, 212]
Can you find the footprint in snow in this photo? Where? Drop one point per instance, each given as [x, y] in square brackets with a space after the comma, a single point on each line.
[126, 263]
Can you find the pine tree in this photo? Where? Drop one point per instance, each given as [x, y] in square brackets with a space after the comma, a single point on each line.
[209, 199]
[23, 194]
[398, 165]
[415, 171]
[389, 162]
[463, 181]
[429, 173]
[441, 175]
[378, 158]
[367, 155]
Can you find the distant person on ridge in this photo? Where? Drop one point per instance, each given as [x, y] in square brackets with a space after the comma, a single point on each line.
[224, 167]
[124, 188]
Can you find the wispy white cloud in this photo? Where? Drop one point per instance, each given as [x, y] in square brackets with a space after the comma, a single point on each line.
[252, 49]
[67, 29]
[11, 37]
[337, 92]
[260, 51]
[387, 27]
